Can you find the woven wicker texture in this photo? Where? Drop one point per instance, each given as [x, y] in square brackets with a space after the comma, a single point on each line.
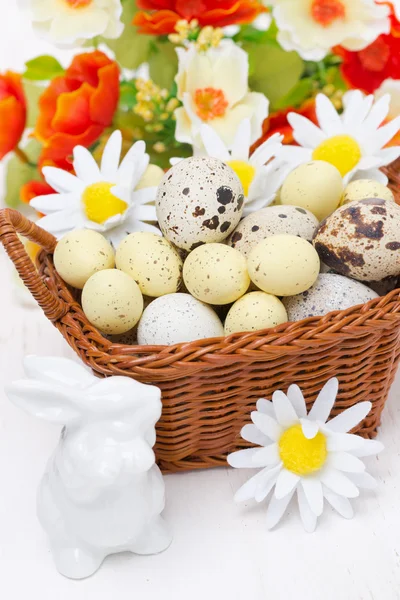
[209, 387]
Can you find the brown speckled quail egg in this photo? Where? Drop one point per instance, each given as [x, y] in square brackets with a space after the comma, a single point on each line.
[200, 200]
[152, 261]
[216, 274]
[316, 186]
[330, 292]
[283, 265]
[361, 239]
[272, 220]
[80, 254]
[254, 311]
[366, 188]
[177, 318]
[112, 301]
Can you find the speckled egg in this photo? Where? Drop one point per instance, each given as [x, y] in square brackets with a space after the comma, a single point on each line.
[200, 200]
[316, 186]
[112, 301]
[366, 188]
[177, 318]
[330, 292]
[255, 311]
[361, 239]
[216, 274]
[272, 220]
[283, 265]
[80, 254]
[152, 261]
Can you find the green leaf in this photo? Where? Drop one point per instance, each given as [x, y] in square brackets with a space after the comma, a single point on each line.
[131, 48]
[273, 71]
[297, 95]
[43, 68]
[163, 64]
[19, 173]
[127, 97]
[33, 91]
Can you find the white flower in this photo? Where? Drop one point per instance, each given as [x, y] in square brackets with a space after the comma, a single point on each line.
[67, 22]
[213, 87]
[305, 453]
[391, 87]
[354, 142]
[313, 27]
[102, 199]
[395, 4]
[261, 174]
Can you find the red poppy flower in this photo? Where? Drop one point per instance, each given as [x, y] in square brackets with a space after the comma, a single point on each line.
[77, 107]
[35, 188]
[218, 13]
[12, 111]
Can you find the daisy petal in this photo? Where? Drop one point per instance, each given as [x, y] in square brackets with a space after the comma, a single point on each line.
[310, 428]
[340, 504]
[213, 144]
[296, 399]
[248, 490]
[85, 166]
[241, 143]
[349, 418]
[323, 404]
[364, 480]
[242, 459]
[54, 202]
[377, 114]
[386, 133]
[339, 483]
[276, 509]
[266, 457]
[368, 448]
[266, 151]
[111, 156]
[343, 461]
[307, 516]
[305, 132]
[251, 434]
[343, 442]
[59, 222]
[144, 196]
[284, 411]
[145, 213]
[267, 483]
[267, 425]
[328, 117]
[285, 483]
[312, 488]
[266, 407]
[375, 174]
[62, 181]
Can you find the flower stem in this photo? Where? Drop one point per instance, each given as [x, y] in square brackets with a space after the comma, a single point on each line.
[23, 157]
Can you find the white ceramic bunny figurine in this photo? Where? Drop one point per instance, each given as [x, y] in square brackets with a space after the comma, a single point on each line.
[102, 492]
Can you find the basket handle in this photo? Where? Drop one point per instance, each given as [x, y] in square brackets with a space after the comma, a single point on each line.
[13, 222]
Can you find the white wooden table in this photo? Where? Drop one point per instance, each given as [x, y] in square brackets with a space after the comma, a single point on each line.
[221, 551]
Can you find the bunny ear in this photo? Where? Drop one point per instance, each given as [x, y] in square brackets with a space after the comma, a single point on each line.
[44, 400]
[58, 370]
[123, 393]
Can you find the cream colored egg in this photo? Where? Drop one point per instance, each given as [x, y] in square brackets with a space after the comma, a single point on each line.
[112, 301]
[283, 265]
[316, 186]
[366, 188]
[152, 262]
[216, 274]
[151, 177]
[80, 254]
[255, 311]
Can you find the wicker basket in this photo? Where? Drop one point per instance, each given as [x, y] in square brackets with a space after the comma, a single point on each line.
[210, 386]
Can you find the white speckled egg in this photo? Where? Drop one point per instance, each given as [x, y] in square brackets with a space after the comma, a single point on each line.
[177, 318]
[361, 239]
[330, 292]
[152, 261]
[80, 254]
[255, 311]
[316, 186]
[272, 220]
[112, 301]
[200, 200]
[366, 188]
[216, 274]
[283, 265]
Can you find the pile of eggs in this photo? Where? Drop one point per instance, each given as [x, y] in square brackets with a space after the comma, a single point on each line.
[213, 273]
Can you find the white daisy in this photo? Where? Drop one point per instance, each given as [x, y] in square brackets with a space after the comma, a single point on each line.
[305, 454]
[261, 174]
[354, 142]
[102, 199]
[391, 87]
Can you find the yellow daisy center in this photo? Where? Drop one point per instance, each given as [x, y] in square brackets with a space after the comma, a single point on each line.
[100, 204]
[244, 171]
[301, 455]
[78, 3]
[342, 151]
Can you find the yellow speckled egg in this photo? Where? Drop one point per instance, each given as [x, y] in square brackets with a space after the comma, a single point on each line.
[112, 301]
[151, 177]
[80, 254]
[216, 274]
[152, 261]
[316, 186]
[366, 188]
[255, 311]
[283, 265]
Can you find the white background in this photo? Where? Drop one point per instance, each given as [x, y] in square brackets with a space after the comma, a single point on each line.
[220, 551]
